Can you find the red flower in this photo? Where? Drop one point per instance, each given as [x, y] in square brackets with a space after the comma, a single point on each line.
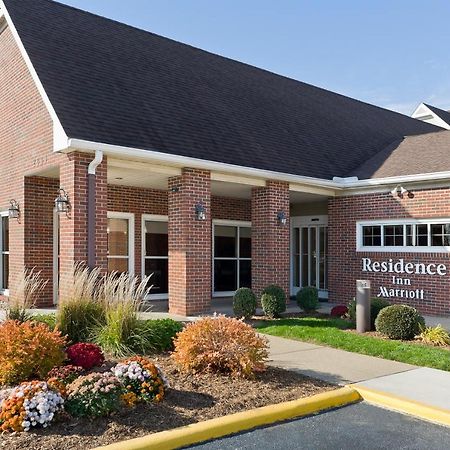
[339, 311]
[85, 355]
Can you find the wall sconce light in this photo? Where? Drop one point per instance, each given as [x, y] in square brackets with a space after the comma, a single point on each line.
[62, 202]
[175, 189]
[281, 218]
[200, 212]
[14, 210]
[400, 192]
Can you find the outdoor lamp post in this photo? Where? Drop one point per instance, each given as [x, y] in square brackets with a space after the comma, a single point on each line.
[200, 212]
[13, 210]
[62, 202]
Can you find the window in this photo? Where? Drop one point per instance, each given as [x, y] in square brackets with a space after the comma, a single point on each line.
[232, 256]
[156, 254]
[120, 242]
[404, 235]
[4, 252]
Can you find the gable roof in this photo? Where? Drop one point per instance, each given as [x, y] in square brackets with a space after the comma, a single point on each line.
[427, 153]
[444, 115]
[115, 84]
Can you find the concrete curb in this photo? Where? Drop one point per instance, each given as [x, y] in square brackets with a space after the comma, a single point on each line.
[235, 423]
[391, 401]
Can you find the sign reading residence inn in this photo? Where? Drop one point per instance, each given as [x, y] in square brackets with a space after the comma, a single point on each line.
[401, 286]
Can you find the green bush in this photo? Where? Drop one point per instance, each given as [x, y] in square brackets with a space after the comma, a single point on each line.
[376, 305]
[160, 333]
[308, 298]
[399, 322]
[244, 303]
[48, 319]
[273, 301]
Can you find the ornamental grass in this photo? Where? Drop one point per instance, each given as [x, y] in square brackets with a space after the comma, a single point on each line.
[79, 309]
[122, 333]
[30, 286]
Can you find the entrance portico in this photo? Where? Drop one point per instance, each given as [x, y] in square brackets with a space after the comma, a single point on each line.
[199, 234]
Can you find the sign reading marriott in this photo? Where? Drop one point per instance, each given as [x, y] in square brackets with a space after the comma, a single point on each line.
[400, 267]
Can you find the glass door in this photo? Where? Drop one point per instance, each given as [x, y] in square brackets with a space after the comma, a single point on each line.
[309, 256]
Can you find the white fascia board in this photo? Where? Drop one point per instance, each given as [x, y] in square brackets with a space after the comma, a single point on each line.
[337, 187]
[420, 177]
[196, 163]
[59, 135]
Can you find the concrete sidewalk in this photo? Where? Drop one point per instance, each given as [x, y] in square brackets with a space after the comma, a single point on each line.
[330, 364]
[426, 386]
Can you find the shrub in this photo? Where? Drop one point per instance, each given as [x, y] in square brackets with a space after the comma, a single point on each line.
[80, 310]
[28, 350]
[94, 395]
[273, 301]
[338, 311]
[244, 303]
[434, 336]
[29, 287]
[160, 333]
[122, 333]
[308, 298]
[85, 355]
[29, 405]
[399, 322]
[220, 344]
[48, 319]
[376, 305]
[142, 380]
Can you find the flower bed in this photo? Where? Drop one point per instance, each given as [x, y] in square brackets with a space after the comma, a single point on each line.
[190, 399]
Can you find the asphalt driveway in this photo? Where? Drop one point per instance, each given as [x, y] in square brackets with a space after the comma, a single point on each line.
[359, 426]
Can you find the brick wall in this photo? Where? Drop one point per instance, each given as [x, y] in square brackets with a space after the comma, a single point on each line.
[40, 194]
[26, 142]
[270, 240]
[345, 263]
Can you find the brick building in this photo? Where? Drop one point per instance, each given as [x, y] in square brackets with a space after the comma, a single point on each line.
[208, 173]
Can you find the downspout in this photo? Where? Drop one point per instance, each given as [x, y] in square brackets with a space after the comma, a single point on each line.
[91, 208]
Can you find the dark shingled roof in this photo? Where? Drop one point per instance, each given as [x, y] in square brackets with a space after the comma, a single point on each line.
[444, 115]
[426, 153]
[116, 84]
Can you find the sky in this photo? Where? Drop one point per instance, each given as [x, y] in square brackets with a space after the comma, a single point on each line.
[391, 53]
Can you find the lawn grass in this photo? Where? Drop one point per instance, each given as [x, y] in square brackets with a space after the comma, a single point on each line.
[331, 332]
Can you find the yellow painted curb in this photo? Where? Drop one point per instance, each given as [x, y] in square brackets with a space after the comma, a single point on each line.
[404, 405]
[235, 423]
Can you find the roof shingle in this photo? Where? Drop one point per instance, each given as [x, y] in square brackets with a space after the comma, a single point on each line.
[116, 84]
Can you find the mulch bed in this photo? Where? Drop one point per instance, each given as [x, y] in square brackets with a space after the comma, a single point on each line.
[191, 399]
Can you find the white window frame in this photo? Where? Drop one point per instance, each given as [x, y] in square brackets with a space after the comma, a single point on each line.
[4, 292]
[228, 223]
[130, 218]
[151, 218]
[404, 248]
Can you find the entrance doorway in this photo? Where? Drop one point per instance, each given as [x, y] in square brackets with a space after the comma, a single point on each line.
[310, 253]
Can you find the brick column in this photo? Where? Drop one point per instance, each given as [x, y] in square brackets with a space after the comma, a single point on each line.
[73, 229]
[270, 240]
[40, 194]
[189, 243]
